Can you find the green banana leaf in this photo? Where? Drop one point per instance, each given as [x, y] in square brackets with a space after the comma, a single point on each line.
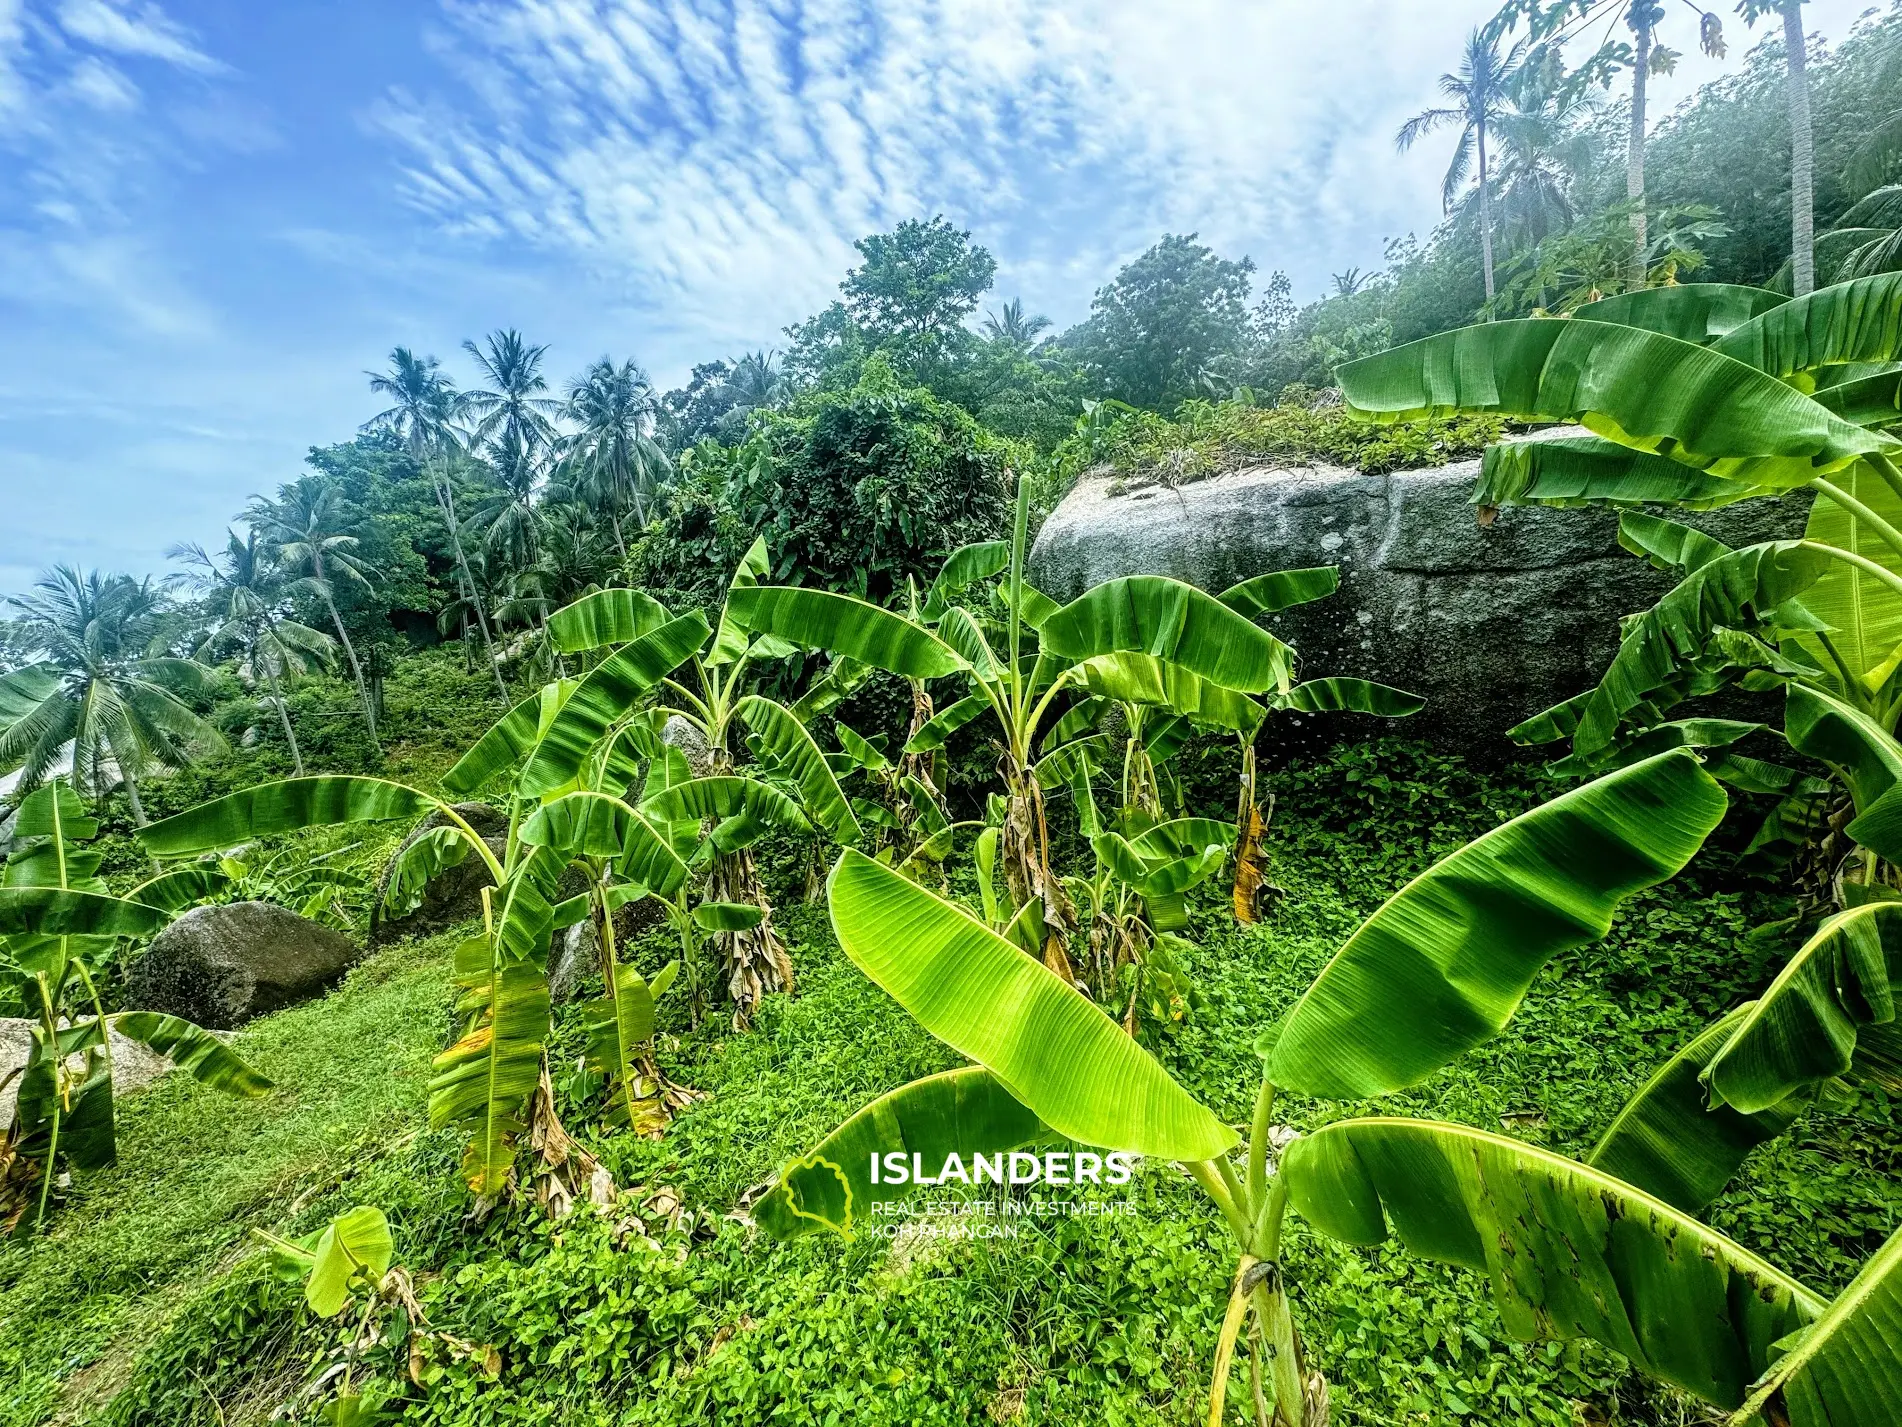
[1668, 1142]
[510, 740]
[288, 806]
[1174, 622]
[193, 1049]
[596, 825]
[604, 697]
[618, 1026]
[1864, 612]
[935, 731]
[482, 1083]
[1859, 321]
[964, 1112]
[867, 754]
[730, 642]
[48, 828]
[1697, 312]
[959, 628]
[1741, 589]
[1874, 400]
[1056, 1052]
[1868, 760]
[1836, 993]
[727, 796]
[1570, 1252]
[1351, 696]
[819, 619]
[433, 851]
[1668, 545]
[185, 887]
[353, 1251]
[788, 747]
[1183, 837]
[1445, 962]
[1550, 725]
[964, 567]
[618, 616]
[728, 916]
[1144, 679]
[1703, 733]
[1845, 1370]
[524, 907]
[1038, 606]
[1281, 589]
[53, 911]
[1589, 470]
[1639, 388]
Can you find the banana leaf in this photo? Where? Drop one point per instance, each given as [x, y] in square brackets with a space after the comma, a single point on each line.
[1183, 837]
[482, 1083]
[1570, 1252]
[618, 1026]
[730, 640]
[1859, 321]
[937, 729]
[354, 1244]
[524, 908]
[1351, 696]
[510, 740]
[432, 852]
[1550, 725]
[1670, 1143]
[1281, 589]
[1837, 993]
[1867, 401]
[1443, 965]
[1641, 389]
[193, 1049]
[965, 566]
[595, 825]
[960, 629]
[53, 911]
[1844, 1371]
[728, 916]
[1056, 1052]
[1697, 312]
[605, 696]
[1144, 679]
[1589, 470]
[1038, 606]
[1669, 546]
[1741, 589]
[819, 619]
[1868, 760]
[288, 806]
[865, 753]
[1174, 622]
[1864, 612]
[49, 827]
[725, 797]
[617, 616]
[787, 746]
[185, 887]
[965, 1113]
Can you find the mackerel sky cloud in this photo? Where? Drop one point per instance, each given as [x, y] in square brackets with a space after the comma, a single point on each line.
[214, 215]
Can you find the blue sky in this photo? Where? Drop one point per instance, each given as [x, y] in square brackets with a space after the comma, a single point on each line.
[215, 214]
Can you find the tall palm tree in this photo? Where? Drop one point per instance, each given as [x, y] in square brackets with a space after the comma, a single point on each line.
[242, 594]
[510, 518]
[611, 460]
[509, 412]
[113, 700]
[308, 530]
[425, 415]
[1012, 326]
[1649, 58]
[1545, 146]
[1479, 90]
[1802, 139]
[756, 381]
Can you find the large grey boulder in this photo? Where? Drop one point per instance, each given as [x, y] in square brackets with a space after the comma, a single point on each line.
[220, 966]
[133, 1065]
[1489, 623]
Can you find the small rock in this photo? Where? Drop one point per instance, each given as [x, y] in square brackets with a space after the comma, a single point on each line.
[133, 1065]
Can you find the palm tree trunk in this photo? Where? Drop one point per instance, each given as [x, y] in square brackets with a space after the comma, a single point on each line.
[1634, 153]
[1485, 218]
[284, 717]
[1802, 153]
[132, 799]
[446, 498]
[349, 649]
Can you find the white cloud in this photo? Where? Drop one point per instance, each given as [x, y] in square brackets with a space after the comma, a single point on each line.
[100, 85]
[146, 31]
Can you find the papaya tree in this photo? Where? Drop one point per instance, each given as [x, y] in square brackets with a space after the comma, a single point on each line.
[722, 703]
[1697, 397]
[58, 926]
[1196, 644]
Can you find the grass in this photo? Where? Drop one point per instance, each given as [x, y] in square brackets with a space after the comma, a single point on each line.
[143, 1307]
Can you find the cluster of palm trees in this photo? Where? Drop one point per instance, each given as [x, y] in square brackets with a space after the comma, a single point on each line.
[1515, 100]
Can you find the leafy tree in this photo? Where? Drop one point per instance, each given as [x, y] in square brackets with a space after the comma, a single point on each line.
[917, 284]
[242, 593]
[308, 531]
[1175, 312]
[103, 683]
[1479, 90]
[696, 412]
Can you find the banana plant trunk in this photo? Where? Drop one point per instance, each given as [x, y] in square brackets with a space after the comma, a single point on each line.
[1027, 874]
[755, 960]
[1250, 828]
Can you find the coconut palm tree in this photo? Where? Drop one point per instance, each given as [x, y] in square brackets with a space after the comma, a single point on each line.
[509, 413]
[308, 531]
[756, 381]
[511, 518]
[107, 689]
[425, 415]
[243, 593]
[1479, 89]
[1012, 326]
[611, 460]
[1802, 140]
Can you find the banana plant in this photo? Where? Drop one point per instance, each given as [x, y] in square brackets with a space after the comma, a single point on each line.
[1193, 648]
[57, 926]
[721, 703]
[1694, 404]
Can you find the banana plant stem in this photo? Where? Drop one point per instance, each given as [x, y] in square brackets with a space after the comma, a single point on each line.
[1258, 1142]
[1861, 562]
[1889, 535]
[1205, 1174]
